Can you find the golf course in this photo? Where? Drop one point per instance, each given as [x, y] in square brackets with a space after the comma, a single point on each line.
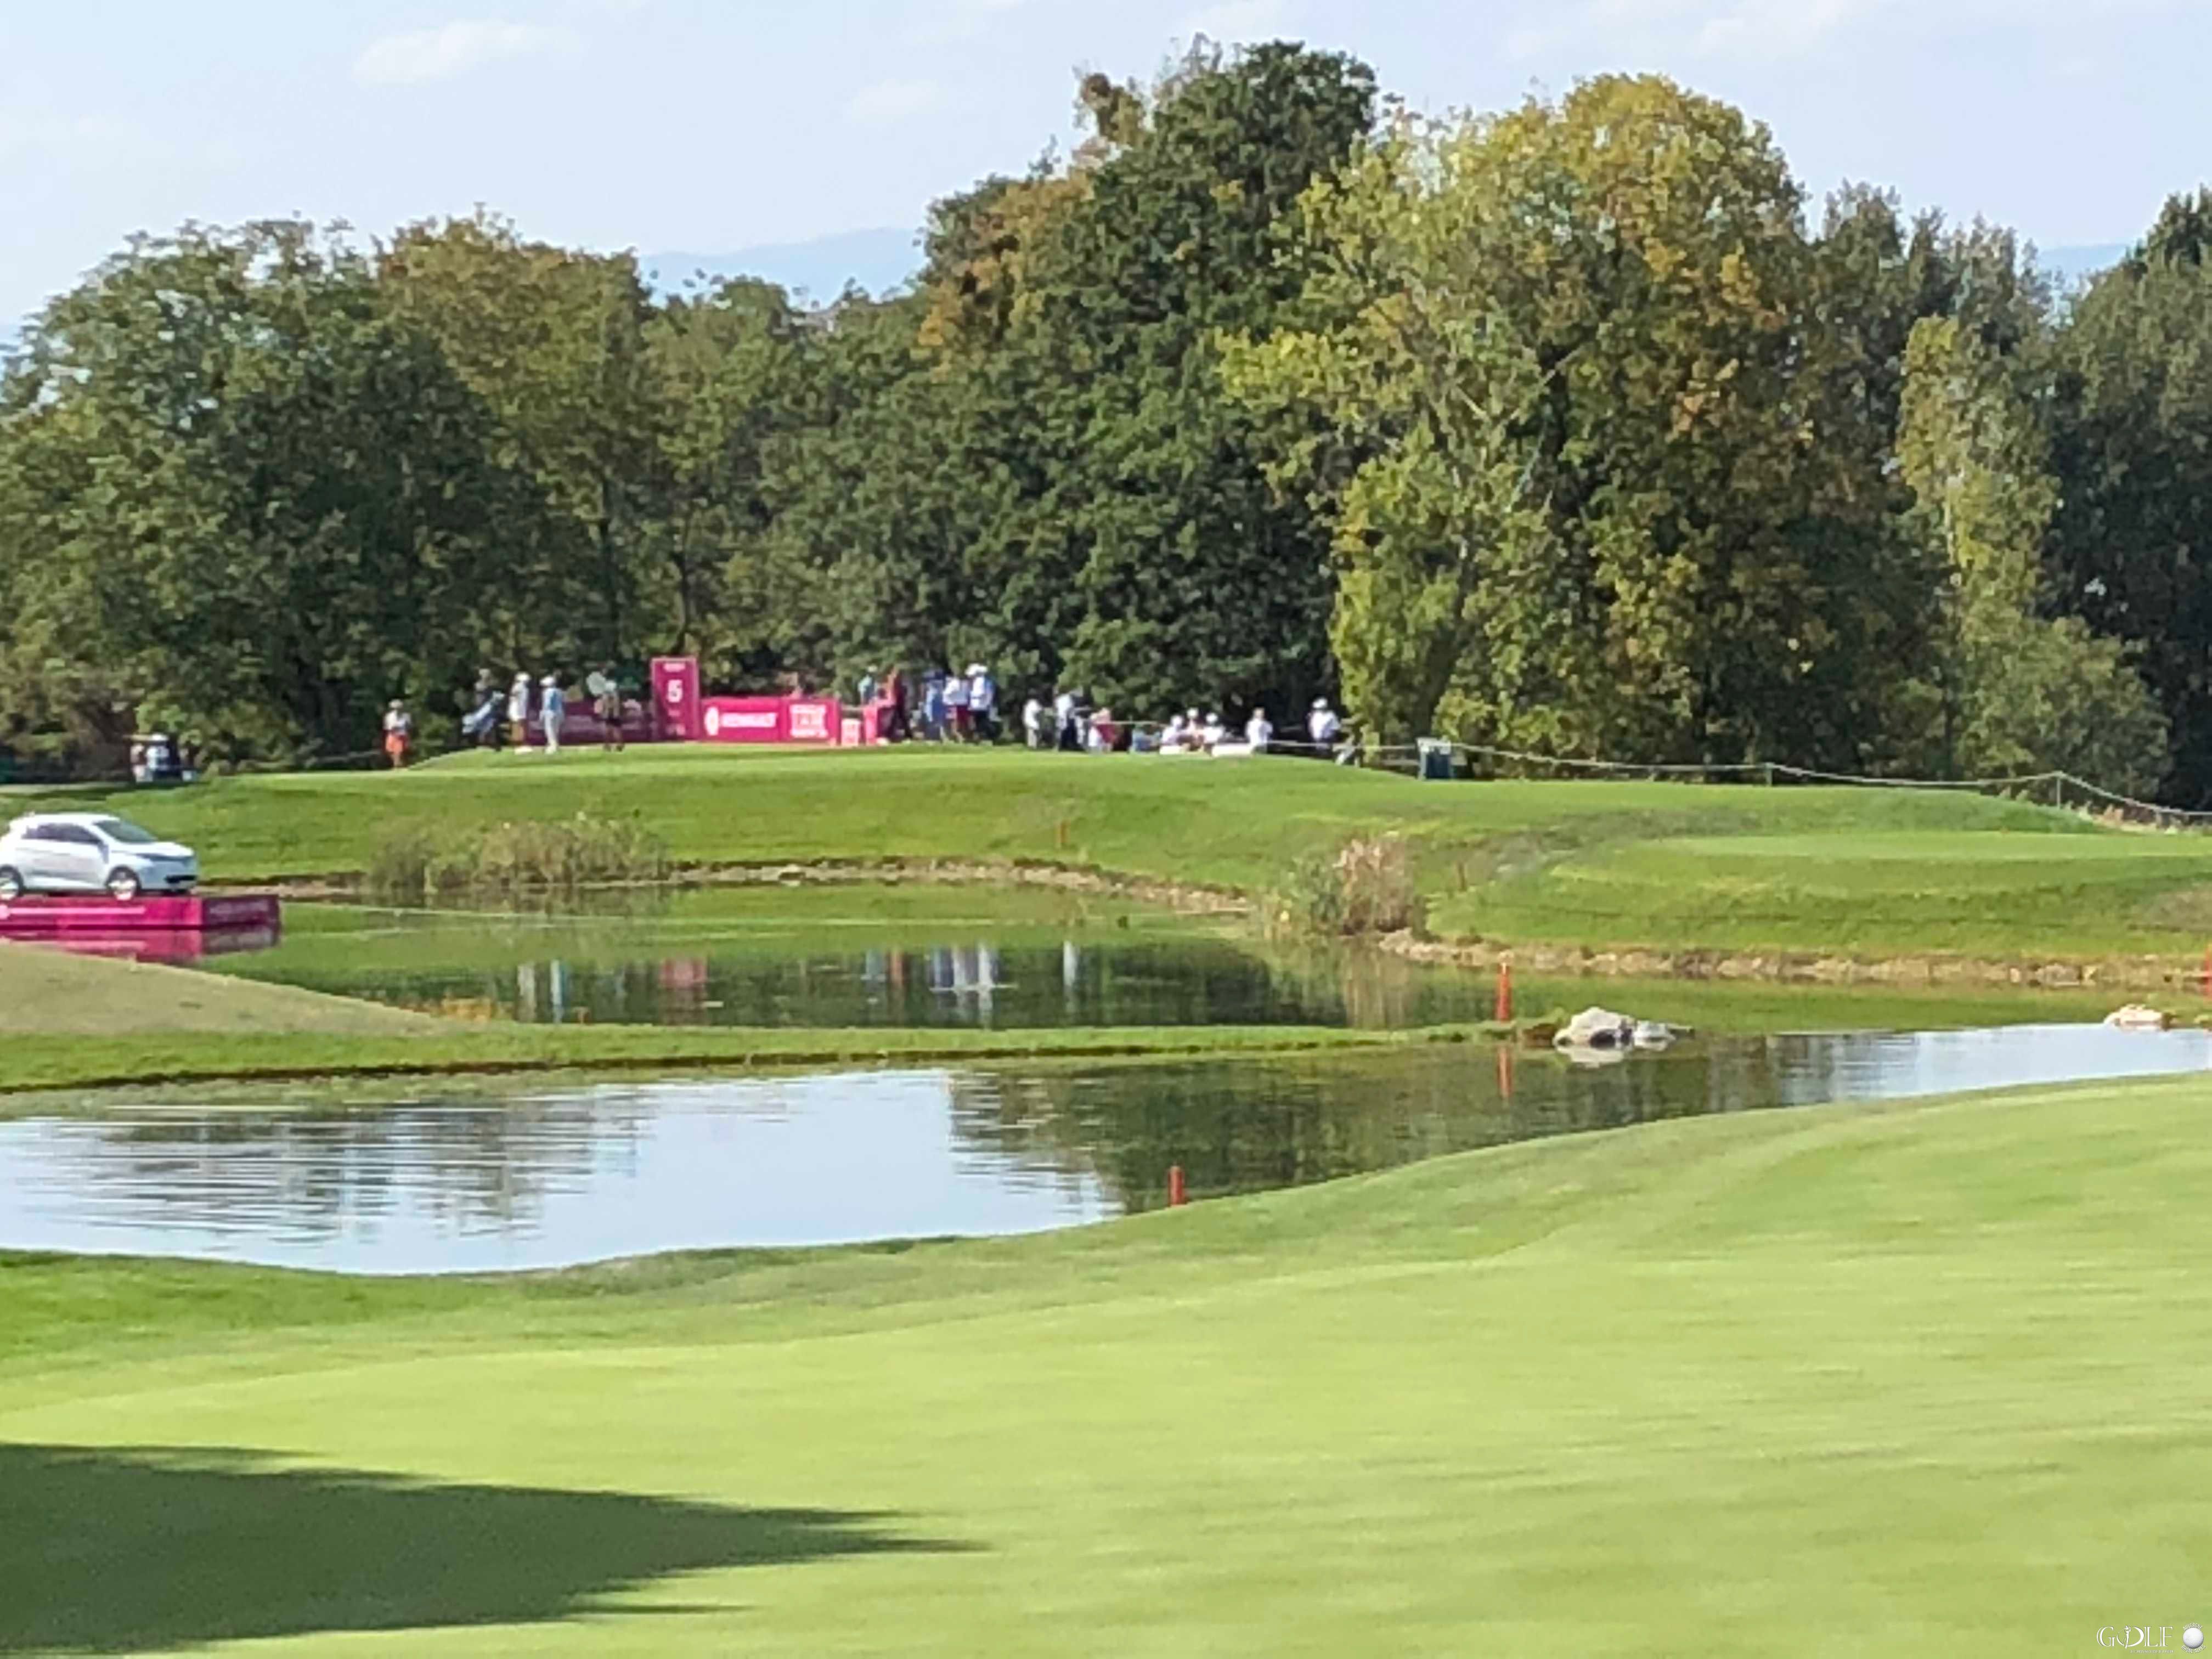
[1875, 1376]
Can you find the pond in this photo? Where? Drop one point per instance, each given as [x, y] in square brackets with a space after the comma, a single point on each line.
[831, 958]
[426, 1183]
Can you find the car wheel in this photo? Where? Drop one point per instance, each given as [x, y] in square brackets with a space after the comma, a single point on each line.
[122, 884]
[11, 885]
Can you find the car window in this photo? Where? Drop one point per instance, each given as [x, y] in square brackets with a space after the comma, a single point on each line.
[43, 832]
[125, 832]
[75, 835]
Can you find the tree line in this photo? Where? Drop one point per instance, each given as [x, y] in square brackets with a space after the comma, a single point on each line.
[1573, 427]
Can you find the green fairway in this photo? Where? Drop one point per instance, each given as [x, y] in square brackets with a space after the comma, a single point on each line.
[1663, 865]
[1836, 1382]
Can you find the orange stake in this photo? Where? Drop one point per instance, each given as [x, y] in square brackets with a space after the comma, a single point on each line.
[1504, 1015]
[1177, 1197]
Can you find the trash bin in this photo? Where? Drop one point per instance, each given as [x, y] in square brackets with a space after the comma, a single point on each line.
[1436, 759]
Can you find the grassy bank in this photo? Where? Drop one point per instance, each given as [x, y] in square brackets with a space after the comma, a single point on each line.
[51, 1003]
[1861, 872]
[36, 1061]
[1835, 1381]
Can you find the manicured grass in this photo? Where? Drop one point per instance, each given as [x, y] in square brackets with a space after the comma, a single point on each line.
[1882, 894]
[51, 1002]
[1837, 1383]
[35, 1061]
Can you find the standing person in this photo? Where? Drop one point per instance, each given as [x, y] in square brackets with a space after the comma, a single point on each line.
[1065, 736]
[1323, 727]
[1033, 722]
[517, 712]
[607, 704]
[552, 712]
[868, 686]
[398, 733]
[894, 727]
[983, 704]
[956, 707]
[1214, 732]
[1258, 731]
[932, 705]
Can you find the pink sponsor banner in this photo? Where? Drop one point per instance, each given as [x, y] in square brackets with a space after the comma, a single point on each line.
[743, 720]
[770, 720]
[814, 720]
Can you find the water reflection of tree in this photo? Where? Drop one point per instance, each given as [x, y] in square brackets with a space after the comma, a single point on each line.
[1242, 1126]
[319, 1174]
[977, 983]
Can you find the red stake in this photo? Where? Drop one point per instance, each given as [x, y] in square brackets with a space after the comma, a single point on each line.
[2206, 982]
[1178, 1196]
[1504, 1015]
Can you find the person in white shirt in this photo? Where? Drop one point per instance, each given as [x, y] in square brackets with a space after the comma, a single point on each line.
[552, 712]
[1175, 736]
[398, 733]
[956, 707]
[517, 713]
[1322, 725]
[1033, 722]
[983, 704]
[1215, 730]
[1258, 733]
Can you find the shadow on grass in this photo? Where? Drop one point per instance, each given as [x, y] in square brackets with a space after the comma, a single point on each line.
[117, 1550]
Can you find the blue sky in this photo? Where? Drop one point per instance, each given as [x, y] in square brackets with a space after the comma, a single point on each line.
[682, 124]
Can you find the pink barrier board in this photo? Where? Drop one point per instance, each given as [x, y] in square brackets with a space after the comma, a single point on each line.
[769, 719]
[47, 917]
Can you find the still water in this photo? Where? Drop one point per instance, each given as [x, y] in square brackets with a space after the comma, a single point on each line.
[707, 964]
[431, 1185]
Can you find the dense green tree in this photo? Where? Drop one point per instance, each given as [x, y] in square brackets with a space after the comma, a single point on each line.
[553, 341]
[2016, 692]
[2130, 547]
[236, 485]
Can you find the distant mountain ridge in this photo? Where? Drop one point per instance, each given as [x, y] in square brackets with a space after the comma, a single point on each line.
[877, 260]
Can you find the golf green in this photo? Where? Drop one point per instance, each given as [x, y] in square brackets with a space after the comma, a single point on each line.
[1834, 1381]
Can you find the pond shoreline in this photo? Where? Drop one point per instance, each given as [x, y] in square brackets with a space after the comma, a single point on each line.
[1612, 961]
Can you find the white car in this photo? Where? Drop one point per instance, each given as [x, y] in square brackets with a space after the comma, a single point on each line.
[91, 853]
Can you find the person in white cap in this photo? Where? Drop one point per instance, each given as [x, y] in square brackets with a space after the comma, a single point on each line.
[1258, 731]
[552, 712]
[1323, 726]
[1214, 732]
[517, 713]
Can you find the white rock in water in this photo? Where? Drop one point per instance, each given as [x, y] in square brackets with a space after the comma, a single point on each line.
[1652, 1034]
[1597, 1027]
[2137, 1017]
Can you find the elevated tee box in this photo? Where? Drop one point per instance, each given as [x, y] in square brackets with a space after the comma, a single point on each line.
[47, 917]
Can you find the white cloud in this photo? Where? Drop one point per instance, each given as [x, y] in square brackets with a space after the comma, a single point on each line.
[440, 54]
[888, 101]
[1236, 22]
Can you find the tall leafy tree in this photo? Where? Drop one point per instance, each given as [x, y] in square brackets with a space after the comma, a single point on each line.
[2018, 692]
[2130, 545]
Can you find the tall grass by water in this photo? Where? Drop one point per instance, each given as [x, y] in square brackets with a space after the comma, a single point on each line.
[516, 858]
[1366, 886]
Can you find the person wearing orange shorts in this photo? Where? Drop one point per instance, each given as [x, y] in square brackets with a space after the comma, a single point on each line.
[398, 733]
